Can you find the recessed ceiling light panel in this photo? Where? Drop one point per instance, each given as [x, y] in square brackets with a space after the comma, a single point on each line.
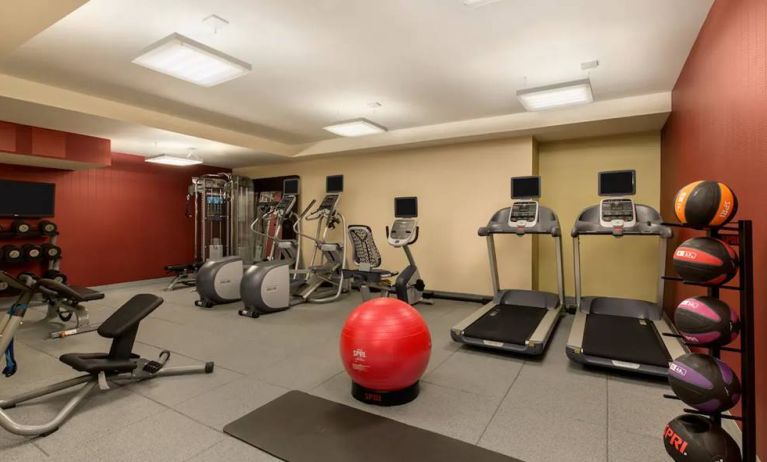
[186, 59]
[478, 3]
[356, 127]
[556, 96]
[167, 159]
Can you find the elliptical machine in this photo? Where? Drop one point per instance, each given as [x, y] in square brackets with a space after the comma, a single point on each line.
[269, 287]
[262, 287]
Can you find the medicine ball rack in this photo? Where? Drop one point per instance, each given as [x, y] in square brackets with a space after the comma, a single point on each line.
[739, 236]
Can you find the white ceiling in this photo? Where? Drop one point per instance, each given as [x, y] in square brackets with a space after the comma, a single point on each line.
[319, 61]
[131, 138]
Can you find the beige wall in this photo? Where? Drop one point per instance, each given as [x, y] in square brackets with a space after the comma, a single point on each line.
[625, 267]
[459, 187]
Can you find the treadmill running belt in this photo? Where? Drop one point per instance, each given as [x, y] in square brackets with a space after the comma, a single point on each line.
[298, 427]
[624, 339]
[507, 324]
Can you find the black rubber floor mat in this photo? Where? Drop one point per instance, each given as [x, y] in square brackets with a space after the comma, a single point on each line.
[507, 323]
[624, 339]
[298, 427]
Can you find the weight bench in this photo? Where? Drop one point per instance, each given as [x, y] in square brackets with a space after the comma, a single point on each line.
[119, 366]
[185, 275]
[366, 256]
[64, 302]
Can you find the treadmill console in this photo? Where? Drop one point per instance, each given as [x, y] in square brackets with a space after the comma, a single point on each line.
[524, 214]
[617, 213]
[403, 232]
[285, 206]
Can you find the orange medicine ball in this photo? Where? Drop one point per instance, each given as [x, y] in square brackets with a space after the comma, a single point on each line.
[705, 203]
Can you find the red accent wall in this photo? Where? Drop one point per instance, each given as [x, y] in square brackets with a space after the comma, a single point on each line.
[119, 223]
[718, 130]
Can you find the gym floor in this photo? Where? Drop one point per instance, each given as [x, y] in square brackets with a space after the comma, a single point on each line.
[535, 410]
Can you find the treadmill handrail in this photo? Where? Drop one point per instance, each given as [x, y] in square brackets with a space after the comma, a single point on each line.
[648, 223]
[548, 223]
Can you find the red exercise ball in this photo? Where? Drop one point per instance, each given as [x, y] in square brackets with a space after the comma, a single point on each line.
[385, 347]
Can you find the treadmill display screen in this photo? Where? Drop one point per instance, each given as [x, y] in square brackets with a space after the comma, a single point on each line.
[525, 187]
[290, 186]
[405, 207]
[334, 184]
[618, 183]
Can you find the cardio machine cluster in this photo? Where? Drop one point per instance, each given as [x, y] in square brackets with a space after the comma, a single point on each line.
[283, 280]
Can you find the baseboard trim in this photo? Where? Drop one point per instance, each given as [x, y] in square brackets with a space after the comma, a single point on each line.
[129, 284]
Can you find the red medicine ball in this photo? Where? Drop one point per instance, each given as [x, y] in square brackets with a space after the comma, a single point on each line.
[705, 203]
[705, 260]
[385, 345]
[706, 321]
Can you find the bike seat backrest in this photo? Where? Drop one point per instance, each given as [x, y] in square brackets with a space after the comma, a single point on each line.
[129, 315]
[365, 250]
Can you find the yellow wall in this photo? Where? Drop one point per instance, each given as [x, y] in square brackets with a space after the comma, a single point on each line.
[625, 267]
[459, 187]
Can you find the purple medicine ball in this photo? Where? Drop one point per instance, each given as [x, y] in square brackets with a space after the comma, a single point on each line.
[704, 382]
[706, 321]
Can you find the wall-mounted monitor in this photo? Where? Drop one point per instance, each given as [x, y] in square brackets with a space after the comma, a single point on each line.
[525, 187]
[290, 186]
[405, 207]
[617, 183]
[334, 184]
[26, 199]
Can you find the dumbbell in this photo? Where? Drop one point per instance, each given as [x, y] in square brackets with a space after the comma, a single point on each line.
[51, 251]
[26, 277]
[32, 252]
[21, 227]
[47, 227]
[56, 275]
[11, 253]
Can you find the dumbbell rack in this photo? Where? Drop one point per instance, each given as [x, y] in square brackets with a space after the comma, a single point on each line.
[33, 235]
[738, 236]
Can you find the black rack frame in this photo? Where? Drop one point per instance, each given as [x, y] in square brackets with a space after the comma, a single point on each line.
[740, 236]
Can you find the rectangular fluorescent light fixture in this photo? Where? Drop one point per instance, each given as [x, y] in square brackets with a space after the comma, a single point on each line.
[478, 3]
[186, 59]
[167, 159]
[557, 95]
[356, 127]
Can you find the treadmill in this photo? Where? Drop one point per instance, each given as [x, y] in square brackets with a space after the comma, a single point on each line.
[516, 320]
[620, 333]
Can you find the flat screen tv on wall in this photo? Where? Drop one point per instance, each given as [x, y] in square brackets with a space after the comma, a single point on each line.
[27, 199]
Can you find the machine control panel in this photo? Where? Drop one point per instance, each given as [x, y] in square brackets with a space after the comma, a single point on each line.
[403, 232]
[328, 204]
[524, 214]
[617, 213]
[285, 206]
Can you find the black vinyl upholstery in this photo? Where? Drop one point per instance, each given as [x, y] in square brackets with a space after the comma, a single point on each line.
[122, 328]
[129, 315]
[98, 362]
[75, 293]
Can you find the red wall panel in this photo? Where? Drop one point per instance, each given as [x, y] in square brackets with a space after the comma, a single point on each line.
[42, 142]
[119, 223]
[718, 130]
